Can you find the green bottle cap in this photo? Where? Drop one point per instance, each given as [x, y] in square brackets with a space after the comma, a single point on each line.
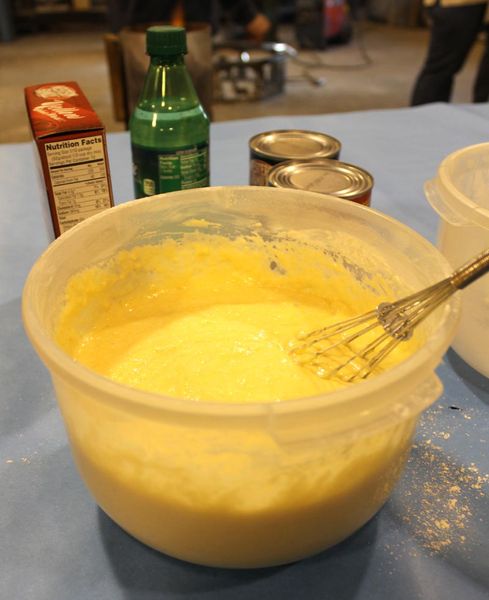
[165, 40]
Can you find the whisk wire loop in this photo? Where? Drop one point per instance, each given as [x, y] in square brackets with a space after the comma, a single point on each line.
[357, 360]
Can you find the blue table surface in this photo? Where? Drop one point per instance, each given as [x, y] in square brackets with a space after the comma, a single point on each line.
[431, 539]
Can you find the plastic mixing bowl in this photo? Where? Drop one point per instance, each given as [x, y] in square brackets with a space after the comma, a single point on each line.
[242, 485]
[459, 194]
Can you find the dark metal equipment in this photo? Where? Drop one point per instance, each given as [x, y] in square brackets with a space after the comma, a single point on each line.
[245, 71]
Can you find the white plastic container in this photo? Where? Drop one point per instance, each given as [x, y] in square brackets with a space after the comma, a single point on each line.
[460, 195]
[241, 485]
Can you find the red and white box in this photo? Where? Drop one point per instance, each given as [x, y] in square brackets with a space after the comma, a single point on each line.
[72, 147]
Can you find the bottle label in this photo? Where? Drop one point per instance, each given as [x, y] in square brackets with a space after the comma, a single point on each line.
[157, 172]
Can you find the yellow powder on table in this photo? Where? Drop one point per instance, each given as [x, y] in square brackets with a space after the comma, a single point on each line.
[208, 318]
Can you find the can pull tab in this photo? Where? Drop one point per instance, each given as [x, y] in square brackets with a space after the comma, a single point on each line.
[440, 206]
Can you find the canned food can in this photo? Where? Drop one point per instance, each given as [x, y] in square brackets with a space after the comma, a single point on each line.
[273, 147]
[324, 176]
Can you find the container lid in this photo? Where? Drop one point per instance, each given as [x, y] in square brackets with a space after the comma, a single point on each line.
[463, 181]
[166, 40]
[294, 144]
[322, 175]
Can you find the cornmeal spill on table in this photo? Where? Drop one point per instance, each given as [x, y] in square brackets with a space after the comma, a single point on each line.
[210, 318]
[444, 499]
[442, 515]
[441, 503]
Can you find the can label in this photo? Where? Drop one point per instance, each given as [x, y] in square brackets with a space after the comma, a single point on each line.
[259, 170]
[157, 172]
[363, 199]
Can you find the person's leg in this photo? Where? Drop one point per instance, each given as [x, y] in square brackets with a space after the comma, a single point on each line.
[453, 32]
[481, 85]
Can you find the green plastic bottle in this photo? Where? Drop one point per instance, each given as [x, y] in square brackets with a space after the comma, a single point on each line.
[169, 129]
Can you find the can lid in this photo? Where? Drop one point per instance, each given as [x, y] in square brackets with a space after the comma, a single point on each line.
[322, 175]
[166, 40]
[296, 144]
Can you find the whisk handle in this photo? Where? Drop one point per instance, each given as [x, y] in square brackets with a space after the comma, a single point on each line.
[471, 271]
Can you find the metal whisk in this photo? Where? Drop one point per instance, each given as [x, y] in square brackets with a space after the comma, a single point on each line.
[397, 320]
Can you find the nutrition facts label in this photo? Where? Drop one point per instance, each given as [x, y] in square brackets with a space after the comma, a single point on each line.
[78, 176]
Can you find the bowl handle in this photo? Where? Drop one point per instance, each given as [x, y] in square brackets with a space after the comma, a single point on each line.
[440, 206]
[292, 432]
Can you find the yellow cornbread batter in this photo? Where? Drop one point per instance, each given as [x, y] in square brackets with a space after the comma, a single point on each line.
[210, 319]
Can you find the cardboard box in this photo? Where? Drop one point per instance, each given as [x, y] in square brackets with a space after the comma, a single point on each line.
[72, 149]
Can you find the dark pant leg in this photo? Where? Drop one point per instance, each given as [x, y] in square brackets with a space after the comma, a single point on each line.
[481, 85]
[453, 32]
